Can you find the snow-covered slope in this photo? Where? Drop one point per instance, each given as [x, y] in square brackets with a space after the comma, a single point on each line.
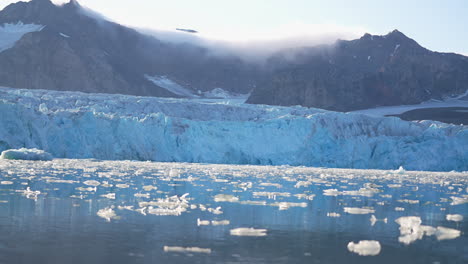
[11, 33]
[76, 125]
[459, 101]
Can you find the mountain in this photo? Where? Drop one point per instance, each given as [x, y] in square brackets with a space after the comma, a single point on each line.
[77, 51]
[68, 47]
[363, 73]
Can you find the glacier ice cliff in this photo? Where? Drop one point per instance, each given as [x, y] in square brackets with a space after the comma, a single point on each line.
[78, 125]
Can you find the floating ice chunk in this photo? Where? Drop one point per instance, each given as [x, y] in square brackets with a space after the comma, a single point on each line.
[92, 183]
[287, 205]
[400, 170]
[248, 232]
[221, 222]
[122, 186]
[367, 192]
[107, 213]
[459, 200]
[300, 184]
[374, 220]
[271, 195]
[6, 182]
[365, 247]
[87, 189]
[142, 195]
[187, 250]
[31, 194]
[216, 210]
[333, 214]
[454, 217]
[331, 192]
[127, 207]
[202, 222]
[355, 210]
[277, 185]
[226, 198]
[305, 196]
[173, 205]
[149, 188]
[109, 196]
[25, 154]
[254, 202]
[444, 233]
[64, 35]
[399, 209]
[409, 201]
[412, 230]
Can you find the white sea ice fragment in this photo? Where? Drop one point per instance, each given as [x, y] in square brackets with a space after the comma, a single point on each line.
[444, 233]
[202, 222]
[187, 250]
[454, 217]
[226, 198]
[365, 247]
[122, 186]
[26, 154]
[333, 214]
[142, 195]
[6, 182]
[399, 209]
[459, 200]
[412, 230]
[109, 196]
[355, 210]
[374, 220]
[305, 196]
[92, 183]
[248, 232]
[221, 222]
[31, 194]
[149, 188]
[287, 205]
[331, 192]
[216, 210]
[107, 213]
[277, 185]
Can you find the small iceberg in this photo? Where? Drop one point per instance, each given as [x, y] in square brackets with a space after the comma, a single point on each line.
[365, 247]
[25, 154]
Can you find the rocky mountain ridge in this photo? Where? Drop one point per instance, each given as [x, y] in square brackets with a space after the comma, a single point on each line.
[78, 52]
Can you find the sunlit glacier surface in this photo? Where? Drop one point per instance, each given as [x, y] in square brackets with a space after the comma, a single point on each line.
[91, 211]
[118, 127]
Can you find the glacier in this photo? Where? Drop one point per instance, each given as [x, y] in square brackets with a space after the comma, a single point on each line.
[11, 33]
[120, 127]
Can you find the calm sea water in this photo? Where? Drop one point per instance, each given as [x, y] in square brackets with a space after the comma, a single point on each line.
[88, 211]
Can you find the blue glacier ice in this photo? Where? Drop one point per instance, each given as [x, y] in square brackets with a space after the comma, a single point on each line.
[116, 127]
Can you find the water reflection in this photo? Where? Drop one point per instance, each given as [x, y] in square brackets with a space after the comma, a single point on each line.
[87, 211]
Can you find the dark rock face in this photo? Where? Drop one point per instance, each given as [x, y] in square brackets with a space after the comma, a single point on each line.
[367, 72]
[75, 52]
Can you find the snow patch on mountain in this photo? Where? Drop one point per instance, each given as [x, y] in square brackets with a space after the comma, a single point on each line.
[457, 101]
[11, 33]
[102, 126]
[170, 85]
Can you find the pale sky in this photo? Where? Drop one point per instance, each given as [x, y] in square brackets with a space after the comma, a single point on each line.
[437, 25]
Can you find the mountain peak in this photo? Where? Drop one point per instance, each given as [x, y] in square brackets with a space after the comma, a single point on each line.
[74, 3]
[42, 2]
[396, 33]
